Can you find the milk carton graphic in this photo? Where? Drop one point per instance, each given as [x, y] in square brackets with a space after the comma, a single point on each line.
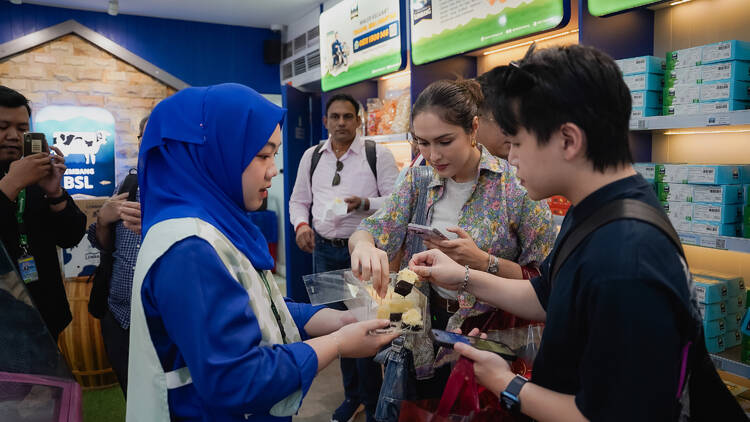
[86, 136]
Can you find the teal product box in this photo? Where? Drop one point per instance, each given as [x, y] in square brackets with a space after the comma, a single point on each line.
[649, 99]
[710, 312]
[746, 194]
[644, 82]
[714, 328]
[724, 214]
[684, 58]
[671, 173]
[646, 170]
[645, 112]
[714, 174]
[716, 229]
[681, 109]
[725, 90]
[674, 192]
[733, 321]
[642, 64]
[684, 75]
[735, 304]
[735, 70]
[735, 283]
[715, 344]
[708, 290]
[717, 194]
[745, 170]
[725, 51]
[682, 94]
[723, 106]
[732, 338]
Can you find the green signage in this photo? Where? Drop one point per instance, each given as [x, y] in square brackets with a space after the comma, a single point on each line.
[606, 7]
[359, 40]
[444, 28]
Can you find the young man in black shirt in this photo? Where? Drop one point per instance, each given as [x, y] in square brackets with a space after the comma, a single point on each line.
[36, 214]
[619, 311]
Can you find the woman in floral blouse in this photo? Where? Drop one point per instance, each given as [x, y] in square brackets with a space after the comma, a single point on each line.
[471, 194]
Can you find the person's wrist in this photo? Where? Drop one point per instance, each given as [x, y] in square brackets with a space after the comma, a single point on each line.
[502, 381]
[300, 225]
[54, 193]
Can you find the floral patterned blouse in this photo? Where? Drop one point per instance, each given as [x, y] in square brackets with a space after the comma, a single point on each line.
[499, 216]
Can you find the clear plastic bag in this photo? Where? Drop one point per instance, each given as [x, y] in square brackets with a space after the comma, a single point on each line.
[364, 303]
[524, 341]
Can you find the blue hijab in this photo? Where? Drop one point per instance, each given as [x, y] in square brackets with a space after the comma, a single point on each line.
[196, 145]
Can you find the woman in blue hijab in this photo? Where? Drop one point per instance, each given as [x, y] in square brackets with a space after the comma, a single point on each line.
[211, 337]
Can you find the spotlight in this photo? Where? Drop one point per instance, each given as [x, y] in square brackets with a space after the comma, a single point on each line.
[113, 8]
[16, 1]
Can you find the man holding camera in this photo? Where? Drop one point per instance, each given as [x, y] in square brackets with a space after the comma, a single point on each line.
[36, 214]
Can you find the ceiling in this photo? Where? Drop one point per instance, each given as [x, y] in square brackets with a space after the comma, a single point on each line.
[256, 13]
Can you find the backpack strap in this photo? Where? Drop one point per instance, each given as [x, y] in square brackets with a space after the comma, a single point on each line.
[130, 185]
[315, 159]
[615, 210]
[372, 156]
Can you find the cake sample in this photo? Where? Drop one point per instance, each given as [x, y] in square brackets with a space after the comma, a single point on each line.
[405, 281]
[412, 319]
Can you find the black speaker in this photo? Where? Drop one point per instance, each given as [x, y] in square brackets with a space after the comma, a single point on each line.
[272, 51]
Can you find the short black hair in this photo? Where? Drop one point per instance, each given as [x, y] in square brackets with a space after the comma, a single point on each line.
[11, 98]
[343, 97]
[576, 84]
[490, 93]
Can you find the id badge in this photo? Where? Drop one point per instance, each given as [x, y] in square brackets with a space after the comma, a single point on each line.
[27, 265]
[465, 300]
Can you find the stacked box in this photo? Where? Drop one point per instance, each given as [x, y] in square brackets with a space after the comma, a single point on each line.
[732, 339]
[734, 321]
[713, 73]
[647, 170]
[643, 64]
[735, 283]
[646, 99]
[715, 213]
[671, 173]
[714, 174]
[710, 194]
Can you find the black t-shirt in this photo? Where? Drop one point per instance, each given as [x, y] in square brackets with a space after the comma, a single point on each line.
[46, 231]
[616, 315]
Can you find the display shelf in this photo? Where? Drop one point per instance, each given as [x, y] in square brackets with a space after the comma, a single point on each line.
[731, 118]
[729, 361]
[736, 244]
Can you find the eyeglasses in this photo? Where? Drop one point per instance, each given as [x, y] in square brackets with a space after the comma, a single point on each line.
[337, 176]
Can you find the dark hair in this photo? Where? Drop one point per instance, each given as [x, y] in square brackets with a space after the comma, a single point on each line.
[576, 84]
[11, 98]
[490, 91]
[142, 124]
[343, 97]
[456, 102]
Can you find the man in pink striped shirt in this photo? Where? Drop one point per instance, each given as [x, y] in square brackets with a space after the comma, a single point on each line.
[342, 190]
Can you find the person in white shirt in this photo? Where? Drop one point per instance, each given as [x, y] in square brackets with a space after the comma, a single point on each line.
[345, 186]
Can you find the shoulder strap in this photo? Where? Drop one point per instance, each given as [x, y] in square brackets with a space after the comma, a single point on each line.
[615, 210]
[129, 185]
[315, 159]
[372, 156]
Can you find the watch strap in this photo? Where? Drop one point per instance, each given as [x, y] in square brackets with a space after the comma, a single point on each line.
[509, 398]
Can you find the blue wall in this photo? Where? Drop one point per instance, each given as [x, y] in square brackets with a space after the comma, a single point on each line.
[198, 53]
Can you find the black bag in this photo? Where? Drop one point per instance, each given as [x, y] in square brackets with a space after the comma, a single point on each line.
[709, 399]
[101, 277]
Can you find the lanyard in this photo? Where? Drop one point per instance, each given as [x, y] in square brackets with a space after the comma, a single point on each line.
[24, 240]
[273, 307]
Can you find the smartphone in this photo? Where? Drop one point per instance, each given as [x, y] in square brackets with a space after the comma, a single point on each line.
[427, 232]
[34, 143]
[448, 339]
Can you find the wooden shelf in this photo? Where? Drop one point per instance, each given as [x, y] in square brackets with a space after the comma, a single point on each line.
[726, 243]
[731, 118]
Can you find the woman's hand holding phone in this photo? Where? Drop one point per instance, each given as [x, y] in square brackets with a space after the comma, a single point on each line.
[462, 250]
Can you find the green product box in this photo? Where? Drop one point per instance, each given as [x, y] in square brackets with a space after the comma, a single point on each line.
[746, 194]
[680, 109]
[684, 58]
[682, 94]
[674, 192]
[745, 354]
[746, 231]
[746, 215]
[671, 173]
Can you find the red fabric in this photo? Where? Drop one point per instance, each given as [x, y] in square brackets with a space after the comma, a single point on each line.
[462, 401]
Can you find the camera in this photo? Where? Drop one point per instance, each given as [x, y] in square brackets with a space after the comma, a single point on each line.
[34, 143]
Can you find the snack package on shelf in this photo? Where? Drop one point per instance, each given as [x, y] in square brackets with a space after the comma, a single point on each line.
[389, 115]
[374, 107]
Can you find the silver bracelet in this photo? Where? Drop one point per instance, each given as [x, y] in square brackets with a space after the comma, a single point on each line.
[466, 279]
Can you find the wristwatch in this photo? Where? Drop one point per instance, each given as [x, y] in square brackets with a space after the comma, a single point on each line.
[494, 265]
[509, 398]
[59, 199]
